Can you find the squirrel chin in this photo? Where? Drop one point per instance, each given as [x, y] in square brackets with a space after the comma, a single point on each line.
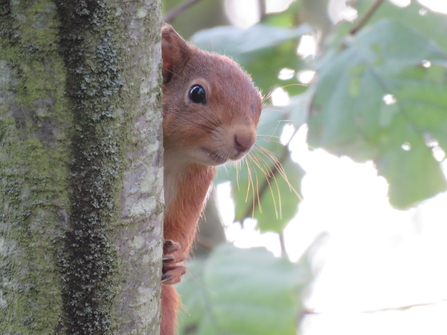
[215, 158]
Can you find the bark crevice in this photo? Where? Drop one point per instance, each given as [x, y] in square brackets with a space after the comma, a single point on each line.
[93, 85]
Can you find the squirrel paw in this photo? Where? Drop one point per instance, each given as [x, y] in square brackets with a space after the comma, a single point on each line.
[172, 271]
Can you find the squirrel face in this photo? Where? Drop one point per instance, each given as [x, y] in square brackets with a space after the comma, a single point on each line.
[210, 105]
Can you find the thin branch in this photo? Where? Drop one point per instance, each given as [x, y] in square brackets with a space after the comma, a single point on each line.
[173, 13]
[283, 244]
[366, 17]
[386, 309]
[262, 10]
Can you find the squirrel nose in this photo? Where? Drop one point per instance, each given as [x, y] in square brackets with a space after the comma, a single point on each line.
[244, 141]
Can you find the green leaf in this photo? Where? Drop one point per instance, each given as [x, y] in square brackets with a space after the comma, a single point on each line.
[430, 24]
[242, 292]
[263, 50]
[237, 42]
[259, 192]
[287, 18]
[385, 90]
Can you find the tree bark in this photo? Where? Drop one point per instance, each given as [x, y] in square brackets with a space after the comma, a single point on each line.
[81, 177]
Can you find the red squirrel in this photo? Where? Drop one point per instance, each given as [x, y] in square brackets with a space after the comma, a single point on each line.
[210, 113]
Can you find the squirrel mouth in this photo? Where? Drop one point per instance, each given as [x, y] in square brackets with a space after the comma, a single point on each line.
[214, 156]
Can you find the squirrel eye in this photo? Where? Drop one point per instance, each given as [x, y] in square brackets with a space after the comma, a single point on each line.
[197, 94]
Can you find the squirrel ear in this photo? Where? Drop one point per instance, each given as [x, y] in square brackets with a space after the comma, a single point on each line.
[174, 50]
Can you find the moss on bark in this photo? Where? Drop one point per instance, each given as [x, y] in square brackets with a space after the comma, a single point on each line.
[32, 169]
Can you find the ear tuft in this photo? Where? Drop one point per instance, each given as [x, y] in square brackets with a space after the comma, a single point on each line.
[174, 50]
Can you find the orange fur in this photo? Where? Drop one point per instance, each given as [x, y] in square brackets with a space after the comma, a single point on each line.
[180, 225]
[183, 213]
[169, 307]
[197, 137]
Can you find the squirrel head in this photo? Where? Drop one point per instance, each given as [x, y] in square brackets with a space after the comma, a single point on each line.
[210, 105]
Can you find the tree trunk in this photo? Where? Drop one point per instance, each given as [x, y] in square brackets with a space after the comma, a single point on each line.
[80, 167]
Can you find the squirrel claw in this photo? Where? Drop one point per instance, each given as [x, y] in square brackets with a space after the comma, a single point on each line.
[172, 270]
[172, 274]
[170, 246]
[165, 278]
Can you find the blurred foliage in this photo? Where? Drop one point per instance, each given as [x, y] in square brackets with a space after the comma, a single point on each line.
[287, 19]
[385, 108]
[193, 18]
[431, 25]
[243, 291]
[378, 95]
[316, 13]
[400, 54]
